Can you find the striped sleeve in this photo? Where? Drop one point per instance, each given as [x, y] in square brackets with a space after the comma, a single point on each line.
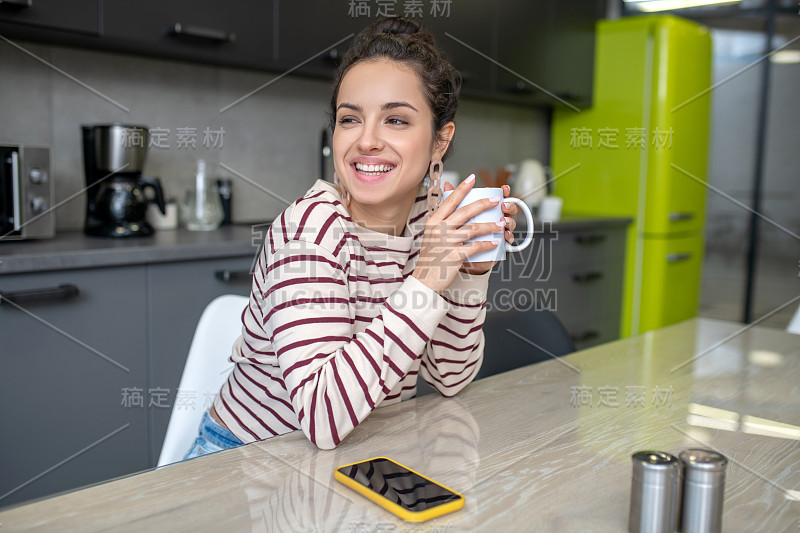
[455, 352]
[336, 377]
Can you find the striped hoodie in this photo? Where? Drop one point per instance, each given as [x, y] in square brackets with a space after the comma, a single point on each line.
[337, 326]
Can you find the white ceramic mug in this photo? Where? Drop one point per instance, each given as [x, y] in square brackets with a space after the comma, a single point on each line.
[493, 215]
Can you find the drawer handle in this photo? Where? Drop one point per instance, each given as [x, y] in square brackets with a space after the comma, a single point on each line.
[586, 277]
[590, 238]
[584, 336]
[677, 258]
[230, 276]
[207, 34]
[678, 216]
[64, 291]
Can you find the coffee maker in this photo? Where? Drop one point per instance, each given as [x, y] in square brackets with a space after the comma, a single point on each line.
[113, 158]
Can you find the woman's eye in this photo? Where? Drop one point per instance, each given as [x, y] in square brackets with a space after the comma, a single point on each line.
[397, 121]
[346, 120]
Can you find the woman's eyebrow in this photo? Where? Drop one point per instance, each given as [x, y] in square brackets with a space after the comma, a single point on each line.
[393, 105]
[354, 107]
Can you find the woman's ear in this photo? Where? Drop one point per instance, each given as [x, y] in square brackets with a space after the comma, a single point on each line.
[443, 138]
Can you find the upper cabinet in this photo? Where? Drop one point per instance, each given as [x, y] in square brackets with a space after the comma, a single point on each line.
[515, 51]
[235, 32]
[314, 36]
[546, 50]
[78, 16]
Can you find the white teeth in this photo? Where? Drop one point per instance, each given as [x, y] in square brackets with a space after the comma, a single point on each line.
[373, 168]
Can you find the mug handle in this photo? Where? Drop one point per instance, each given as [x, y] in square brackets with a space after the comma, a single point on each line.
[528, 219]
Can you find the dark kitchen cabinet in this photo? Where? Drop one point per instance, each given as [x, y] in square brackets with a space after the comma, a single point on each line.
[235, 33]
[549, 46]
[572, 269]
[468, 36]
[89, 381]
[463, 29]
[78, 16]
[513, 51]
[67, 364]
[178, 294]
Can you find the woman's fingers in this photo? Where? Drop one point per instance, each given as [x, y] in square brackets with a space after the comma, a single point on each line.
[450, 203]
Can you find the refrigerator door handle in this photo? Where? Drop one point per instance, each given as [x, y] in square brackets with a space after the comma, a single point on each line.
[677, 216]
[678, 257]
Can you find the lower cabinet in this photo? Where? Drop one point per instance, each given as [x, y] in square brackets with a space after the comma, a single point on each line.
[89, 376]
[63, 378]
[574, 272]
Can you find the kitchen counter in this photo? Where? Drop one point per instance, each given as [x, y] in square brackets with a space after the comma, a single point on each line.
[73, 250]
[542, 448]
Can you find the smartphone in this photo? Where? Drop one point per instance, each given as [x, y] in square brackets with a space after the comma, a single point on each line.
[398, 489]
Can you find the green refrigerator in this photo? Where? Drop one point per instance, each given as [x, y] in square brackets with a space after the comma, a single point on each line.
[641, 151]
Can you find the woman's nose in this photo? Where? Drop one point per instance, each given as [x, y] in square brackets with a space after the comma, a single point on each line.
[370, 138]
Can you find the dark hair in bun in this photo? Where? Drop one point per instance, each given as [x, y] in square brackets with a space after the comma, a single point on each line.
[403, 40]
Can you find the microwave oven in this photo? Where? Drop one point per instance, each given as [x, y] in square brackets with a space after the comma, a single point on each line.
[26, 193]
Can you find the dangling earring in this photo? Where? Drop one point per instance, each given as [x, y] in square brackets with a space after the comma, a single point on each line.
[434, 189]
[344, 194]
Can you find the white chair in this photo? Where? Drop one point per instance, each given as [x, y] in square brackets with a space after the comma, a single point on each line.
[794, 323]
[207, 368]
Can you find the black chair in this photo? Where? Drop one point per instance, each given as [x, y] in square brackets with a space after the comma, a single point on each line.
[519, 338]
[515, 339]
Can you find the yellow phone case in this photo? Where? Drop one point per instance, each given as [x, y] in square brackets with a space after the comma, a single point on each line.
[405, 514]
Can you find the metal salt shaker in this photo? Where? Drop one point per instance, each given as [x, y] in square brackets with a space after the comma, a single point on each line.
[654, 493]
[703, 490]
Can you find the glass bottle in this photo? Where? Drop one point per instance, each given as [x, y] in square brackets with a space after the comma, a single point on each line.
[201, 209]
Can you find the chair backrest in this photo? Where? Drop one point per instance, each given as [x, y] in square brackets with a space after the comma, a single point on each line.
[207, 367]
[515, 339]
[519, 338]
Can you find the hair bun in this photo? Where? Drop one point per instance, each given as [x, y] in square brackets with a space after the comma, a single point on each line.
[396, 26]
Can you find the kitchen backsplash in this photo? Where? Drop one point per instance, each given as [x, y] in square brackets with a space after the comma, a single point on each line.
[269, 141]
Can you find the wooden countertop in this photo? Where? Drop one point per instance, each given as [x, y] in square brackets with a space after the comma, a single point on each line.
[543, 448]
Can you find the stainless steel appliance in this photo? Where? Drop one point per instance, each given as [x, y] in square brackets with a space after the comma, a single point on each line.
[26, 193]
[113, 159]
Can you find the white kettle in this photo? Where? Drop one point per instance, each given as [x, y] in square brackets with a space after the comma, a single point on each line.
[530, 183]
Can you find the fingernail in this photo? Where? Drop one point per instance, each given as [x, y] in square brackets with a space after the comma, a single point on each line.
[506, 205]
[495, 242]
[470, 178]
[501, 224]
[495, 199]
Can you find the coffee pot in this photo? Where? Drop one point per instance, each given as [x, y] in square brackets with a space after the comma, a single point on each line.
[113, 158]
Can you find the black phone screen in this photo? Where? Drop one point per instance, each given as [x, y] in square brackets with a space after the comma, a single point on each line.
[399, 485]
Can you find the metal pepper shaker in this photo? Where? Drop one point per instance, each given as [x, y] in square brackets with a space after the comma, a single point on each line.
[654, 493]
[703, 490]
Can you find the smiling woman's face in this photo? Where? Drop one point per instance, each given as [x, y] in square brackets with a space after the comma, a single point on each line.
[383, 140]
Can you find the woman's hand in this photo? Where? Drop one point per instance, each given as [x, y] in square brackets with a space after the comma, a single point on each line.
[444, 250]
[510, 210]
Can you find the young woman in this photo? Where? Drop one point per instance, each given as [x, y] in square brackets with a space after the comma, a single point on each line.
[363, 285]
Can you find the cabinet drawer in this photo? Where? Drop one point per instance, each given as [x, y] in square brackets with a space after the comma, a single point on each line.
[671, 287]
[589, 303]
[588, 248]
[66, 362]
[234, 33]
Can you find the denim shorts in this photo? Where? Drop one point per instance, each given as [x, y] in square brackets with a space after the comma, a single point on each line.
[212, 438]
